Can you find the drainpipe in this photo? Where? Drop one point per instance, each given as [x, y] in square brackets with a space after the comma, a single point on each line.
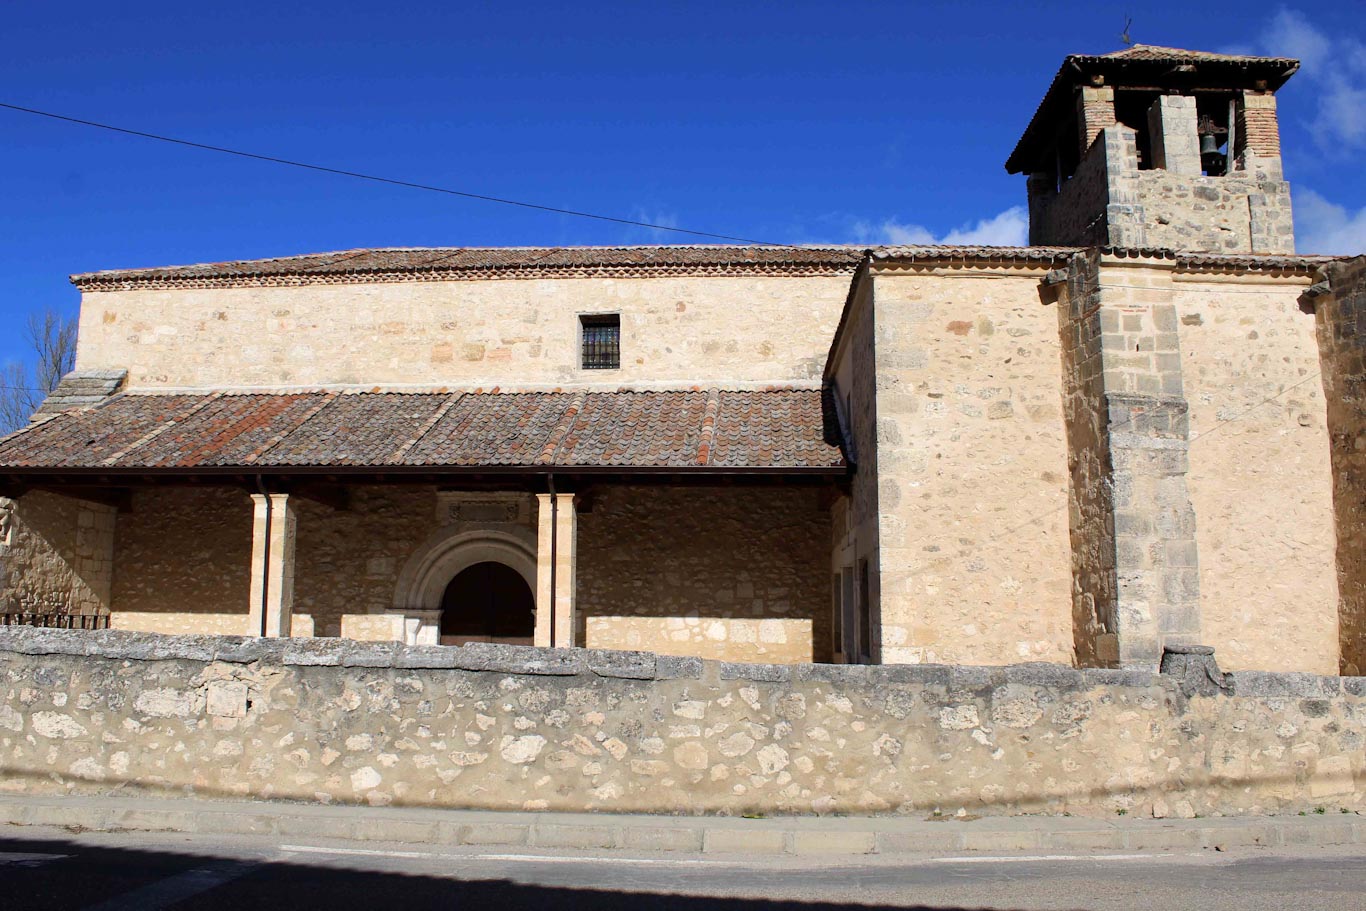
[554, 547]
[265, 562]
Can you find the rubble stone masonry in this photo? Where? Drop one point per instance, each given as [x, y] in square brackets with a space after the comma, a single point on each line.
[674, 329]
[971, 466]
[58, 556]
[1110, 201]
[1340, 307]
[1260, 476]
[732, 573]
[517, 728]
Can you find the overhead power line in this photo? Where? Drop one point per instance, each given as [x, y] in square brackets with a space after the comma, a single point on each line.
[385, 180]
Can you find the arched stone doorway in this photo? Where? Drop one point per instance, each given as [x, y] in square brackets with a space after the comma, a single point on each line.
[444, 556]
[488, 602]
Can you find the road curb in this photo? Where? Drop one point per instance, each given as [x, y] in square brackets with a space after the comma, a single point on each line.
[804, 836]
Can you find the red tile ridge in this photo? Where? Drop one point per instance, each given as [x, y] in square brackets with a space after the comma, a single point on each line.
[426, 428]
[709, 418]
[555, 440]
[310, 414]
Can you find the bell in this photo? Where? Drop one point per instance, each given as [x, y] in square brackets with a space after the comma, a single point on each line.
[1211, 159]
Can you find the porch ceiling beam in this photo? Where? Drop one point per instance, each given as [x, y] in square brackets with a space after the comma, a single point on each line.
[334, 496]
[13, 489]
[119, 498]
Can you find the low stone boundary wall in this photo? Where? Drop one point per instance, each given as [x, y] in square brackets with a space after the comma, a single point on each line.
[504, 727]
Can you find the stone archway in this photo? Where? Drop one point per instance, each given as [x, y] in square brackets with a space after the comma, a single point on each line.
[423, 581]
[488, 602]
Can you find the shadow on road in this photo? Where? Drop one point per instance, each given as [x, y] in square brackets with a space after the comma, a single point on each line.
[66, 875]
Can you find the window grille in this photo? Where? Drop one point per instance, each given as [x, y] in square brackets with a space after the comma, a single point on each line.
[601, 341]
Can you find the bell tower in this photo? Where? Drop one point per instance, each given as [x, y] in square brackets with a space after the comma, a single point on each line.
[1160, 148]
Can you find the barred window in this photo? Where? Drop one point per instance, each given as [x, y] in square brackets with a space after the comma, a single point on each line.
[601, 341]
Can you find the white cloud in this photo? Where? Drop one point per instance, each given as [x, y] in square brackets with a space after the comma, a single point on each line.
[1008, 229]
[1325, 227]
[1291, 35]
[641, 234]
[1335, 66]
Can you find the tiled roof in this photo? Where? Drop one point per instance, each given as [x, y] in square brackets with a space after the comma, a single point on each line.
[780, 429]
[1154, 52]
[453, 263]
[1303, 263]
[944, 253]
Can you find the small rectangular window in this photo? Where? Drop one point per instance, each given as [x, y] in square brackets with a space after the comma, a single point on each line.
[601, 345]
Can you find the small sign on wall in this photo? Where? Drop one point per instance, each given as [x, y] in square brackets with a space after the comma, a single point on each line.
[482, 509]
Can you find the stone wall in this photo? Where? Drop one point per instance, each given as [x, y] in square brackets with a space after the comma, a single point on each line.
[1260, 478]
[56, 556]
[674, 329]
[1236, 213]
[348, 561]
[1091, 499]
[185, 550]
[1340, 308]
[731, 573]
[529, 729]
[971, 467]
[1073, 214]
[1110, 201]
[853, 395]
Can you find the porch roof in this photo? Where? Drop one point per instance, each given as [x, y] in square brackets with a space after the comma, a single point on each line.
[776, 430]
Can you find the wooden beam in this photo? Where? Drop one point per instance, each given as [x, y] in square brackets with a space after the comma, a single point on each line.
[119, 498]
[334, 496]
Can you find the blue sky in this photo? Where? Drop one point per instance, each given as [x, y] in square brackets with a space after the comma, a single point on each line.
[791, 122]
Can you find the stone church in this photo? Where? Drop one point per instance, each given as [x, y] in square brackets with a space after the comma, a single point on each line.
[1141, 432]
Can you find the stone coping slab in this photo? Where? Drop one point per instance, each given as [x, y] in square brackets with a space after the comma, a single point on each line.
[847, 835]
[561, 662]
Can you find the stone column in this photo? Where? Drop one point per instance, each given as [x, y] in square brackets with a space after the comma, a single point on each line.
[93, 559]
[1339, 302]
[1126, 221]
[272, 565]
[1136, 578]
[1173, 135]
[559, 602]
[1258, 136]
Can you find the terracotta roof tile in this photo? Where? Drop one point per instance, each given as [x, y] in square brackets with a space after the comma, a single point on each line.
[779, 429]
[226, 430]
[949, 253]
[491, 429]
[635, 428]
[88, 437]
[769, 429]
[357, 429]
[1161, 54]
[407, 263]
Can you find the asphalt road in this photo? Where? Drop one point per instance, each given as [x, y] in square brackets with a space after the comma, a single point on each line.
[55, 869]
